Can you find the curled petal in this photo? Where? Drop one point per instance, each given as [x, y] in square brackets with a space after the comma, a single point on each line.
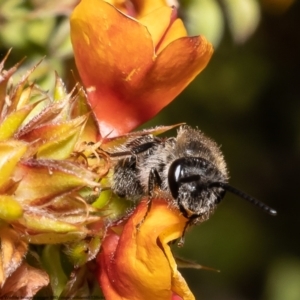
[139, 264]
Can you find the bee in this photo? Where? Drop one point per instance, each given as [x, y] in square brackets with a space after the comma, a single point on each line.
[188, 170]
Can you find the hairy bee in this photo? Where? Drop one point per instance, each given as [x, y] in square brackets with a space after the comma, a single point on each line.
[188, 170]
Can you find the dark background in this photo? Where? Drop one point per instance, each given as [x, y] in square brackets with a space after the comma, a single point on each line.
[248, 101]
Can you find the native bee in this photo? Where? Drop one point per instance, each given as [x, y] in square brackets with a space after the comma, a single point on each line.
[188, 170]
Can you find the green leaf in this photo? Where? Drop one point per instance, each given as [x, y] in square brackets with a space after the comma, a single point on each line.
[42, 223]
[12, 122]
[56, 141]
[60, 91]
[54, 237]
[41, 180]
[52, 263]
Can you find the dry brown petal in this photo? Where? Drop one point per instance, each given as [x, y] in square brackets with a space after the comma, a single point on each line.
[12, 251]
[25, 282]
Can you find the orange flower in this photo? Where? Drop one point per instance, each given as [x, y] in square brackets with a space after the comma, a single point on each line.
[132, 68]
[138, 264]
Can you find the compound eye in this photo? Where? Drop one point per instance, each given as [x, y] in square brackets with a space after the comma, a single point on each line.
[174, 176]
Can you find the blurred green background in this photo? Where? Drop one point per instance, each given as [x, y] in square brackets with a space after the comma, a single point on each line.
[248, 100]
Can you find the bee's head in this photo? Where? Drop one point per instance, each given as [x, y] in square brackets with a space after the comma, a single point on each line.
[198, 186]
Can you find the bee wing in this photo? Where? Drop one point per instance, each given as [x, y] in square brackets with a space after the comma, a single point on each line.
[116, 142]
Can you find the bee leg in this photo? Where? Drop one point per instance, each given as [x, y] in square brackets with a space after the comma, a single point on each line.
[154, 183]
[187, 224]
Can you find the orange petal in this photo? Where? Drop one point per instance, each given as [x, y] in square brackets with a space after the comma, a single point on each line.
[147, 6]
[176, 31]
[175, 67]
[112, 53]
[137, 8]
[139, 264]
[157, 23]
[126, 83]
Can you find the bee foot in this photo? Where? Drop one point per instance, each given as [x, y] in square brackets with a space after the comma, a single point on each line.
[181, 242]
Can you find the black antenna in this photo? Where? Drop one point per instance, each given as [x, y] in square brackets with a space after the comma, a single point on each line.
[245, 196]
